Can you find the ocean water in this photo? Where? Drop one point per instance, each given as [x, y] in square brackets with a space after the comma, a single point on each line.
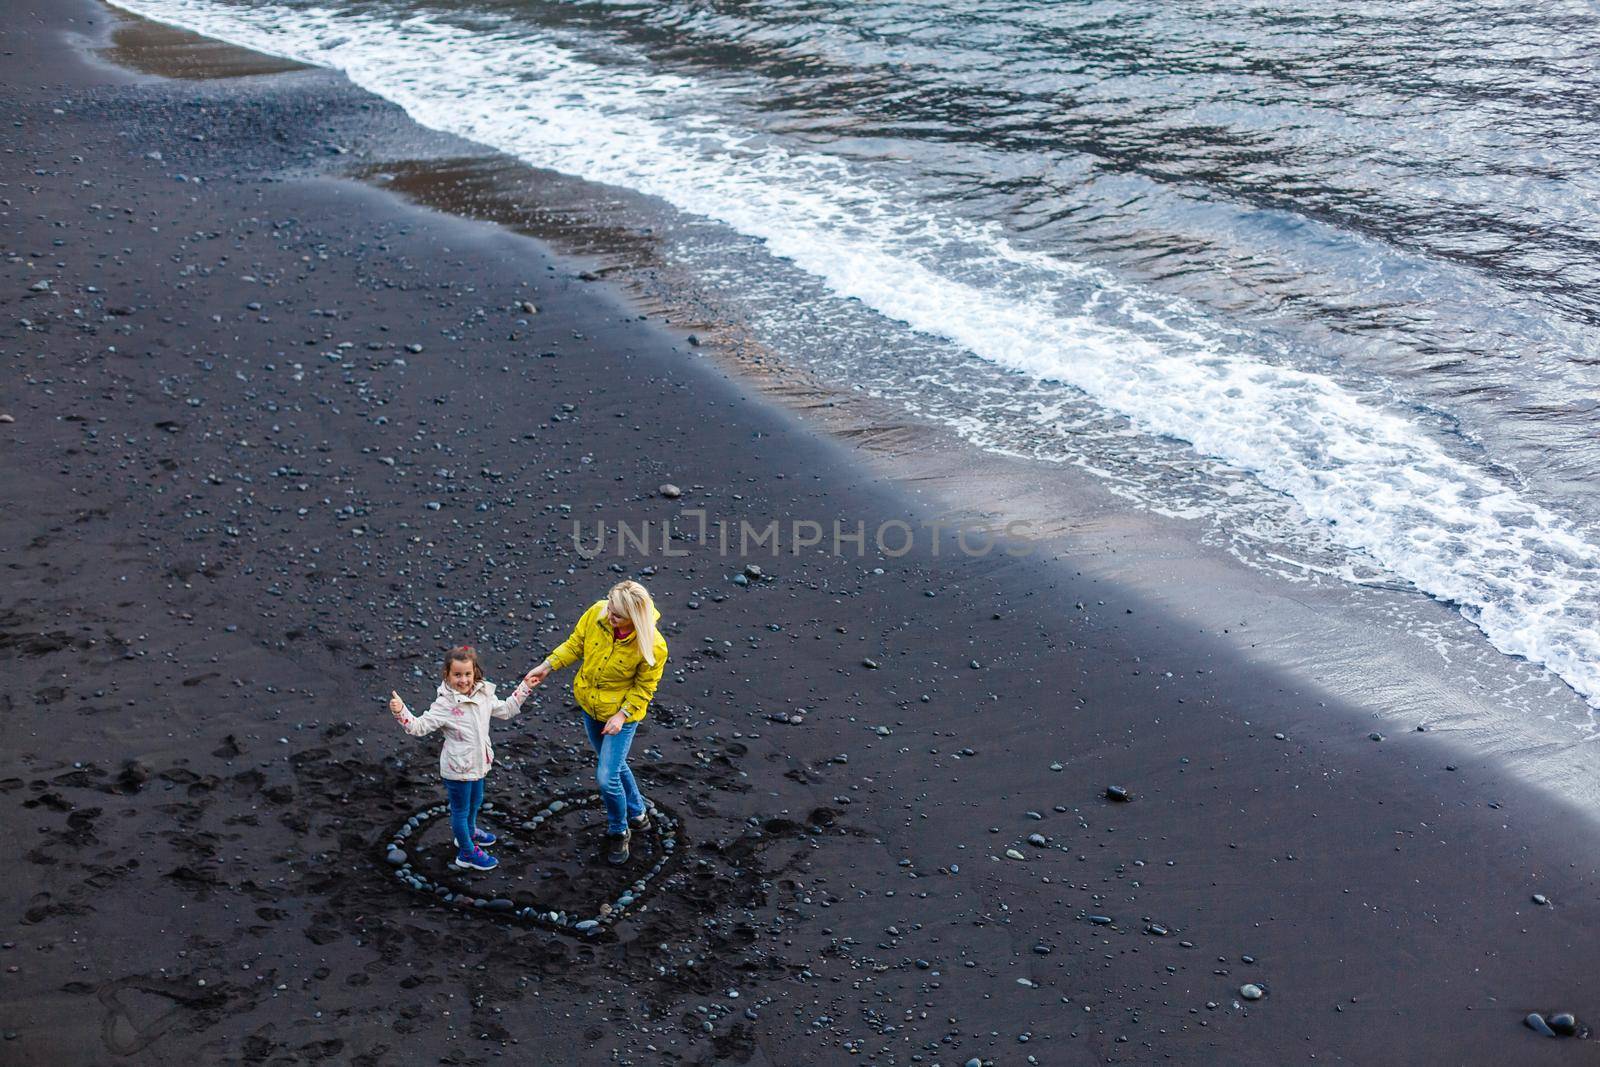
[1325, 278]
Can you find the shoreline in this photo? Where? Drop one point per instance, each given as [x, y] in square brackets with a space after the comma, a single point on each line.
[1410, 656]
[1394, 870]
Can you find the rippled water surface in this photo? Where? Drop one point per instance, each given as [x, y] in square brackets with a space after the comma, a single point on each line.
[1325, 276]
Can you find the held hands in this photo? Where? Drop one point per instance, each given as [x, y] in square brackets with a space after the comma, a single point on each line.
[537, 675]
[615, 724]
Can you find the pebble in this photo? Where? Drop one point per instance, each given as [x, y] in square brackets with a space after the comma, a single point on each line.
[1540, 899]
[1536, 1023]
[670, 491]
[870, 664]
[1012, 853]
[1251, 991]
[1117, 793]
[1100, 920]
[1374, 736]
[1037, 841]
[8, 418]
[528, 308]
[396, 856]
[1564, 1023]
[974, 1062]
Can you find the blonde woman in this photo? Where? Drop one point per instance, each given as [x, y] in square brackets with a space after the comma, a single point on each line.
[622, 656]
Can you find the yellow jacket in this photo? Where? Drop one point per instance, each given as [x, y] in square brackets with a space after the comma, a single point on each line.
[613, 675]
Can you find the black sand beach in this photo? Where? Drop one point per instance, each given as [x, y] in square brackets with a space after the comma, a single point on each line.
[281, 437]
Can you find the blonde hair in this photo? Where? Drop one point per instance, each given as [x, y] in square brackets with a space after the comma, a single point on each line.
[631, 601]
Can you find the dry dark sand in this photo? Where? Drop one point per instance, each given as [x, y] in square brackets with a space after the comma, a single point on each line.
[221, 551]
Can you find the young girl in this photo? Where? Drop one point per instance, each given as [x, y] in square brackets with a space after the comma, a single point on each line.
[462, 710]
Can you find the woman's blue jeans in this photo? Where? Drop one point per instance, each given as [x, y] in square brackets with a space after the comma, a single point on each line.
[465, 800]
[617, 787]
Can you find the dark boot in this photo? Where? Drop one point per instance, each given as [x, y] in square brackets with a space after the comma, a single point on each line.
[639, 823]
[617, 847]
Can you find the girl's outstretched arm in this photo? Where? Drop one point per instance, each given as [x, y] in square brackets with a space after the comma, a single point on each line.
[415, 725]
[512, 705]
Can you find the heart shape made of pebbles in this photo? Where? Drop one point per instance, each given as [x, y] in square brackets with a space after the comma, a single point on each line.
[580, 894]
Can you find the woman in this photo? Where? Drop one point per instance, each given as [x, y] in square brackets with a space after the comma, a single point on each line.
[622, 656]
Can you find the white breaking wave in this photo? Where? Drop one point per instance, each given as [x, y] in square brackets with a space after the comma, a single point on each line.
[1378, 481]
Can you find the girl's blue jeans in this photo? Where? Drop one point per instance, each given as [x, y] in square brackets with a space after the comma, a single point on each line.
[617, 787]
[465, 800]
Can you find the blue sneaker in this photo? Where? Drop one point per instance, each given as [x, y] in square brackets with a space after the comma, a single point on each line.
[476, 859]
[483, 837]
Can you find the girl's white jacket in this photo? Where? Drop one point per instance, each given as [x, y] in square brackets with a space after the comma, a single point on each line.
[464, 718]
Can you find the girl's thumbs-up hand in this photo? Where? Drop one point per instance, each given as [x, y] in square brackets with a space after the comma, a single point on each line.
[397, 707]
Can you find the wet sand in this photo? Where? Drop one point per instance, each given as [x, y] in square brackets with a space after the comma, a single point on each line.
[280, 436]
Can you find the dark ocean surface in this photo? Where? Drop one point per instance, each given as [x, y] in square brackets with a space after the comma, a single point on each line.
[1323, 277]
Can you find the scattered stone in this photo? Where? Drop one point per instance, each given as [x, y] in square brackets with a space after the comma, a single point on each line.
[670, 491]
[870, 664]
[1038, 841]
[1536, 1023]
[396, 856]
[1117, 793]
[1012, 853]
[1374, 736]
[751, 570]
[40, 286]
[1057, 767]
[414, 349]
[528, 308]
[741, 580]
[1156, 930]
[1100, 920]
[1251, 991]
[7, 419]
[1564, 1023]
[1540, 899]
